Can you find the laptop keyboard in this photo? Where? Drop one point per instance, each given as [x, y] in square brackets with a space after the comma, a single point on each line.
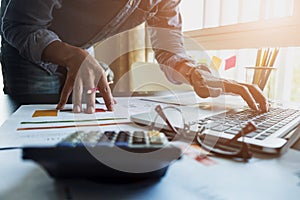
[267, 123]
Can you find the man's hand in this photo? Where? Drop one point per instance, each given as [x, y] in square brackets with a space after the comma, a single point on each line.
[206, 85]
[89, 75]
[84, 73]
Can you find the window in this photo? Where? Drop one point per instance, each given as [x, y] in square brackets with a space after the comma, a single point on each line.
[234, 29]
[238, 27]
[215, 13]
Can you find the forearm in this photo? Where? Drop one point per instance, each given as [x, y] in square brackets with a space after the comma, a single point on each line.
[167, 41]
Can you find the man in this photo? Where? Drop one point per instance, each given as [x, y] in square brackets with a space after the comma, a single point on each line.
[39, 35]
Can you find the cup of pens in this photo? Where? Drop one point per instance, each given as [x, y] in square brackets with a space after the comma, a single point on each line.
[264, 73]
[264, 78]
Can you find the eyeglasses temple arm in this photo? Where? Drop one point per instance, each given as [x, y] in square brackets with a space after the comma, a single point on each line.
[161, 113]
[250, 127]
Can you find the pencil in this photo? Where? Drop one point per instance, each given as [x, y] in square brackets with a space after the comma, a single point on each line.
[257, 76]
[264, 60]
[257, 64]
[274, 57]
[271, 64]
[269, 57]
[265, 64]
[258, 57]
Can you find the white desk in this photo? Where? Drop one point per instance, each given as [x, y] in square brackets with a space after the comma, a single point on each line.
[277, 178]
[185, 179]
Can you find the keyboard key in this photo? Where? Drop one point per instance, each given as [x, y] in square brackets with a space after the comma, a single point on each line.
[233, 132]
[252, 134]
[122, 138]
[270, 131]
[275, 128]
[67, 144]
[261, 137]
[104, 140]
[221, 128]
[107, 137]
[265, 135]
[260, 128]
[110, 134]
[91, 137]
[155, 138]
[202, 122]
[138, 138]
[212, 124]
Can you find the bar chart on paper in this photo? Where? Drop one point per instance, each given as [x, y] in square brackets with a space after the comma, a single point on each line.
[44, 125]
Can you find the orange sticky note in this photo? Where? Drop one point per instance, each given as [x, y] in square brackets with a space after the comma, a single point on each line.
[216, 62]
[45, 113]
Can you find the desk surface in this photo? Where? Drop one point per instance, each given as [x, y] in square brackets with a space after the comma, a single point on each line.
[273, 178]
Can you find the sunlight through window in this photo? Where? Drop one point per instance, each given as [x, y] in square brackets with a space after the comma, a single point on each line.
[198, 14]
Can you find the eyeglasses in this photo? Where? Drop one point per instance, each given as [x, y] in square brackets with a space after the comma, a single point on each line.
[225, 148]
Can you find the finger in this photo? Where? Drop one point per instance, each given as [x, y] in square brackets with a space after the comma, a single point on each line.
[90, 97]
[115, 101]
[243, 91]
[77, 96]
[66, 91]
[106, 93]
[258, 96]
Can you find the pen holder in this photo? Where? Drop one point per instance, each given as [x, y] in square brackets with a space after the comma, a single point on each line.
[265, 78]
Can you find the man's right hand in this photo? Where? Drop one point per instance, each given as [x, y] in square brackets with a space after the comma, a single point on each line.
[84, 73]
[206, 84]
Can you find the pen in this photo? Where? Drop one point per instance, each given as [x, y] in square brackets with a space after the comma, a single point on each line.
[92, 90]
[95, 89]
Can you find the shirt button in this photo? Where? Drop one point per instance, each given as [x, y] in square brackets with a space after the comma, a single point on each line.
[131, 2]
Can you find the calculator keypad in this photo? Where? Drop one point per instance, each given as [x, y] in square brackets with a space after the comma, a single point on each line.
[112, 138]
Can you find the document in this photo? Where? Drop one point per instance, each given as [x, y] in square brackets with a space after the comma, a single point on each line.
[44, 125]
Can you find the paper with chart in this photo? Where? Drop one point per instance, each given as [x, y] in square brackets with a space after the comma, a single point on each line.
[44, 125]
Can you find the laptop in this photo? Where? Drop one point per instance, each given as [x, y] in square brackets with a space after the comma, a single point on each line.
[275, 131]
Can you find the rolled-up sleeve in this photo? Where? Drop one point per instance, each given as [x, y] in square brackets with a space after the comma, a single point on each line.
[166, 36]
[24, 26]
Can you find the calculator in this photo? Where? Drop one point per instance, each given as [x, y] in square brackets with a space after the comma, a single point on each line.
[113, 156]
